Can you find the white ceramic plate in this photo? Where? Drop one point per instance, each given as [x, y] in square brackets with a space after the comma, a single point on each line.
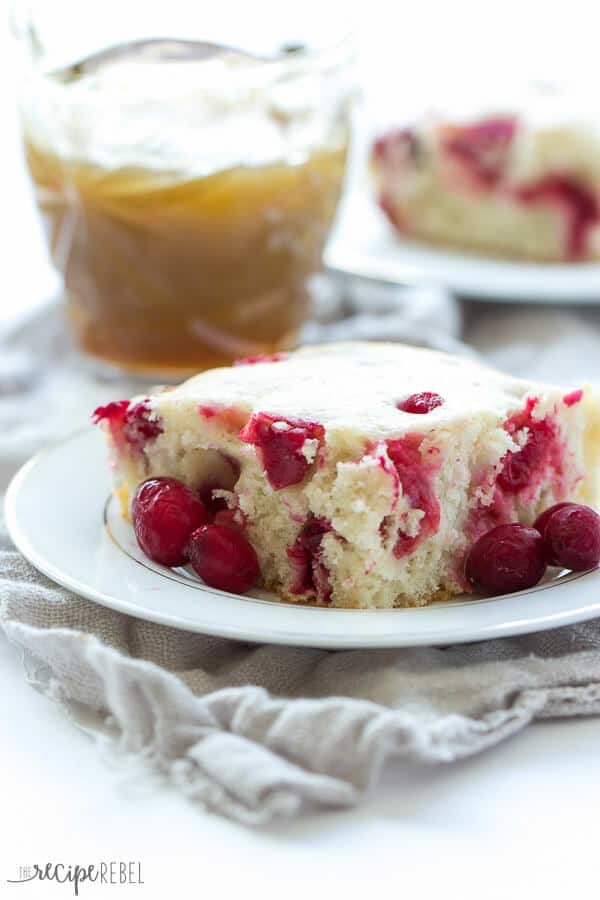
[364, 244]
[60, 516]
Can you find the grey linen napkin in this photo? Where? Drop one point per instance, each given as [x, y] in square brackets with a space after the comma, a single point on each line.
[256, 732]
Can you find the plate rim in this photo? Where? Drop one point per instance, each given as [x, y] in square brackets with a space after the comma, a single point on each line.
[511, 626]
[578, 283]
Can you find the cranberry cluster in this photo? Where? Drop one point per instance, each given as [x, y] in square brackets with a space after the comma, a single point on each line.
[513, 557]
[173, 526]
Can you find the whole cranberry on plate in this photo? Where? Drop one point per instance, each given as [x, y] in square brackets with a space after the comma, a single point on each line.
[542, 520]
[164, 513]
[571, 535]
[223, 558]
[506, 559]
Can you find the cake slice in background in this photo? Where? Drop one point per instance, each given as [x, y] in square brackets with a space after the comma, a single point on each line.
[362, 473]
[523, 184]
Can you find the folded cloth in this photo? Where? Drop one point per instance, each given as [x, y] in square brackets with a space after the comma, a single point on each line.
[255, 732]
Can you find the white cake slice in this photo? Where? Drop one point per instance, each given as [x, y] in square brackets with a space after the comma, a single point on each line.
[348, 499]
[504, 184]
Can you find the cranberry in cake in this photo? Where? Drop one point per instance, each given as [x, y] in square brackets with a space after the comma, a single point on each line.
[357, 475]
[517, 185]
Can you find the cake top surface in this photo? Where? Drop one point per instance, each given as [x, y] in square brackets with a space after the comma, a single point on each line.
[557, 129]
[355, 386]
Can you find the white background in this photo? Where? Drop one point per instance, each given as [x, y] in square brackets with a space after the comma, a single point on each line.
[521, 820]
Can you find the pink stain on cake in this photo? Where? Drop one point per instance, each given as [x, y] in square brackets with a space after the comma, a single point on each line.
[387, 205]
[391, 153]
[480, 149]
[483, 518]
[573, 398]
[231, 418]
[281, 445]
[415, 477]
[396, 147]
[260, 358]
[309, 572]
[522, 472]
[578, 204]
[526, 468]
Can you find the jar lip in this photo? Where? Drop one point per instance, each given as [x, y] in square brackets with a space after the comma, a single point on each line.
[333, 55]
[290, 59]
[342, 48]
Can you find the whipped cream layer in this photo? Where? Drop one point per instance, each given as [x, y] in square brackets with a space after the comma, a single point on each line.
[196, 117]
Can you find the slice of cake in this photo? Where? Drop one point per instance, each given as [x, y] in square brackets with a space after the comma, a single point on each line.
[510, 185]
[362, 473]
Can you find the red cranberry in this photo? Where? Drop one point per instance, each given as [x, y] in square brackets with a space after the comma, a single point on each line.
[140, 424]
[230, 518]
[579, 205]
[573, 398]
[165, 512]
[508, 558]
[260, 358]
[223, 558]
[280, 442]
[420, 403]
[309, 572]
[542, 520]
[113, 412]
[136, 423]
[520, 465]
[572, 537]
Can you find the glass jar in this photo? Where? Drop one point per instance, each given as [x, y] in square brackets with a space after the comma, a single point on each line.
[187, 195]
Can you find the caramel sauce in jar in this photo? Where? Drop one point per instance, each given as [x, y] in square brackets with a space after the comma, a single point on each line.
[187, 204]
[172, 275]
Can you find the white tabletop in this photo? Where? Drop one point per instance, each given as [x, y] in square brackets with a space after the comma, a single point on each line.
[521, 819]
[526, 811]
